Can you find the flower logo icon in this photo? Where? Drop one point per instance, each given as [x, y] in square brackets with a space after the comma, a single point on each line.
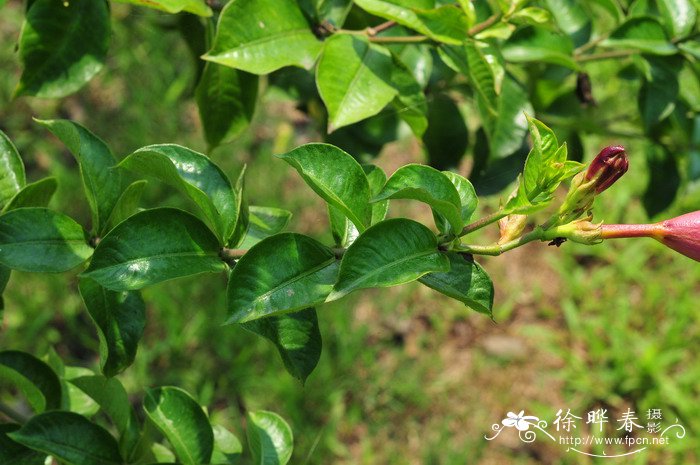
[520, 421]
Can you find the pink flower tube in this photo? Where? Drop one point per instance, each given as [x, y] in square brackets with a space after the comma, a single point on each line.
[681, 234]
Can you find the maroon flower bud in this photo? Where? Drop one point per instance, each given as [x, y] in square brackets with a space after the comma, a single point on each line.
[607, 167]
[681, 234]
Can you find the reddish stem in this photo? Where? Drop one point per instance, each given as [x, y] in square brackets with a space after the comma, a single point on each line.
[616, 231]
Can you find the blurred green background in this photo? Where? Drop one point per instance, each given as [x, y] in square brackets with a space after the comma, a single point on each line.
[406, 376]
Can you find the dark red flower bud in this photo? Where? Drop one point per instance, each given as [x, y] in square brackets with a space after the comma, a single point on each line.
[681, 234]
[607, 167]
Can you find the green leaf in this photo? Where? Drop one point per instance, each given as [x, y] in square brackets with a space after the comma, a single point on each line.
[343, 230]
[13, 453]
[354, 79]
[120, 318]
[112, 398]
[69, 437]
[466, 281]
[571, 18]
[297, 338]
[410, 103]
[35, 194]
[227, 447]
[545, 168]
[336, 177]
[427, 185]
[283, 273]
[127, 204]
[196, 176]
[102, 185]
[269, 437]
[678, 15]
[261, 36]
[40, 240]
[532, 15]
[12, 178]
[243, 220]
[534, 44]
[62, 46]
[154, 246]
[182, 421]
[643, 33]
[198, 7]
[5, 273]
[226, 100]
[392, 252]
[664, 180]
[444, 24]
[467, 194]
[37, 381]
[657, 97]
[447, 136]
[264, 222]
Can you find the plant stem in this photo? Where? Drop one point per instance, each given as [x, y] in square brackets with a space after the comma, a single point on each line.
[618, 231]
[480, 223]
[12, 414]
[498, 249]
[488, 22]
[373, 31]
[605, 55]
[399, 39]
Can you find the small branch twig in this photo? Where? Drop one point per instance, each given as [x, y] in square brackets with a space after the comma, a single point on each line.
[490, 21]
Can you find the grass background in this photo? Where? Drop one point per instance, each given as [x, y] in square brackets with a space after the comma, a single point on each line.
[407, 376]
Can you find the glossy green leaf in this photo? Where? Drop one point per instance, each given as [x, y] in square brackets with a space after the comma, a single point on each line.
[392, 252]
[182, 421]
[507, 130]
[269, 437]
[410, 102]
[35, 194]
[447, 136]
[481, 75]
[427, 185]
[467, 194]
[198, 7]
[37, 381]
[531, 15]
[102, 184]
[261, 36]
[643, 33]
[227, 447]
[62, 46]
[195, 175]
[354, 79]
[120, 318]
[154, 246]
[69, 437]
[343, 230]
[466, 281]
[127, 204]
[657, 96]
[283, 273]
[112, 398]
[77, 401]
[264, 222]
[534, 44]
[678, 15]
[336, 177]
[40, 240]
[243, 221]
[5, 273]
[571, 18]
[12, 177]
[691, 47]
[445, 24]
[297, 338]
[14, 453]
[226, 100]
